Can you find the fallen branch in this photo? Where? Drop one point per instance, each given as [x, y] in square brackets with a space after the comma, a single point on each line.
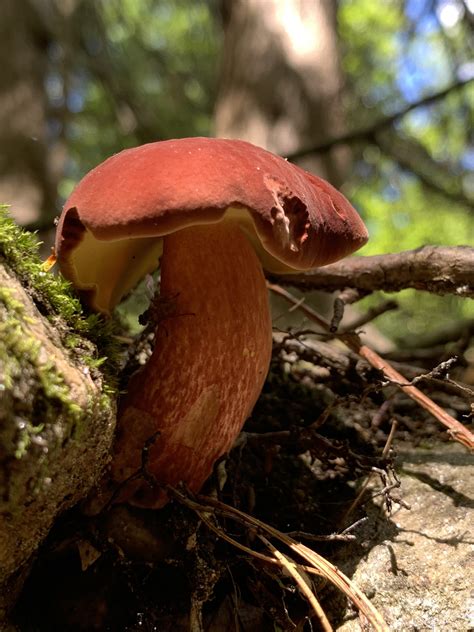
[352, 340]
[439, 270]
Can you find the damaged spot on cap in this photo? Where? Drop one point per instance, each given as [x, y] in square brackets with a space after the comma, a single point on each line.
[290, 215]
[73, 230]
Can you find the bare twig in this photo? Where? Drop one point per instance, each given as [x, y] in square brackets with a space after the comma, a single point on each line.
[308, 439]
[438, 376]
[368, 133]
[371, 314]
[355, 524]
[441, 371]
[386, 450]
[348, 296]
[455, 428]
[411, 156]
[332, 537]
[434, 269]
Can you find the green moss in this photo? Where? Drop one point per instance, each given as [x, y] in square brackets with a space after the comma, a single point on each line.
[8, 299]
[12, 339]
[20, 249]
[56, 299]
[49, 417]
[36, 385]
[24, 440]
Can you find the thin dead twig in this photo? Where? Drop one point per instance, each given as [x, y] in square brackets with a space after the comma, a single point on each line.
[411, 156]
[439, 376]
[385, 453]
[436, 269]
[368, 133]
[440, 371]
[308, 439]
[456, 430]
[332, 537]
[344, 536]
[348, 296]
[371, 314]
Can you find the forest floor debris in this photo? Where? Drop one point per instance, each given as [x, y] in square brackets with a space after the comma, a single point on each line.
[324, 425]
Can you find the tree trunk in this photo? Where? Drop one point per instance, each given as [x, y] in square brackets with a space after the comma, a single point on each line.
[281, 88]
[26, 178]
[281, 80]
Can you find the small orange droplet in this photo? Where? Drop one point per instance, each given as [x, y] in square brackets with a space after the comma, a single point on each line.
[49, 263]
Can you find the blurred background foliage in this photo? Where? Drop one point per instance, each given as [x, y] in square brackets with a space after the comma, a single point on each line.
[147, 71]
[414, 186]
[111, 74]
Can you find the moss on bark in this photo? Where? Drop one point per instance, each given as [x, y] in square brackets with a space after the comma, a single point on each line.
[57, 409]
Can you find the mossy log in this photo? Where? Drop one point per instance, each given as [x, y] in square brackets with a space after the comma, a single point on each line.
[57, 412]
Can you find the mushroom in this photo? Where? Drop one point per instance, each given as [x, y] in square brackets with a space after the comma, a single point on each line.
[213, 213]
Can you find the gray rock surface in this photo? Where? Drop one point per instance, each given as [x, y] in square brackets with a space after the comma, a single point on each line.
[420, 573]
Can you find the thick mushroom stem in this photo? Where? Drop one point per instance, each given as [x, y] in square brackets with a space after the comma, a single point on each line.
[208, 366]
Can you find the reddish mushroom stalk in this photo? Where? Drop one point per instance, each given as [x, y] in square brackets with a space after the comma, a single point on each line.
[210, 360]
[214, 211]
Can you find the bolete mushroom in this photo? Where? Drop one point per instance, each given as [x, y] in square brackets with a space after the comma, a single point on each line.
[214, 213]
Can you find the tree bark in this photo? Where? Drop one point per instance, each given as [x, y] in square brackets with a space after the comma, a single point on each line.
[435, 269]
[281, 81]
[26, 177]
[56, 427]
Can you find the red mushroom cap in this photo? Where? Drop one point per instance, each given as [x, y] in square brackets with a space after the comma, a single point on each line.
[295, 220]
